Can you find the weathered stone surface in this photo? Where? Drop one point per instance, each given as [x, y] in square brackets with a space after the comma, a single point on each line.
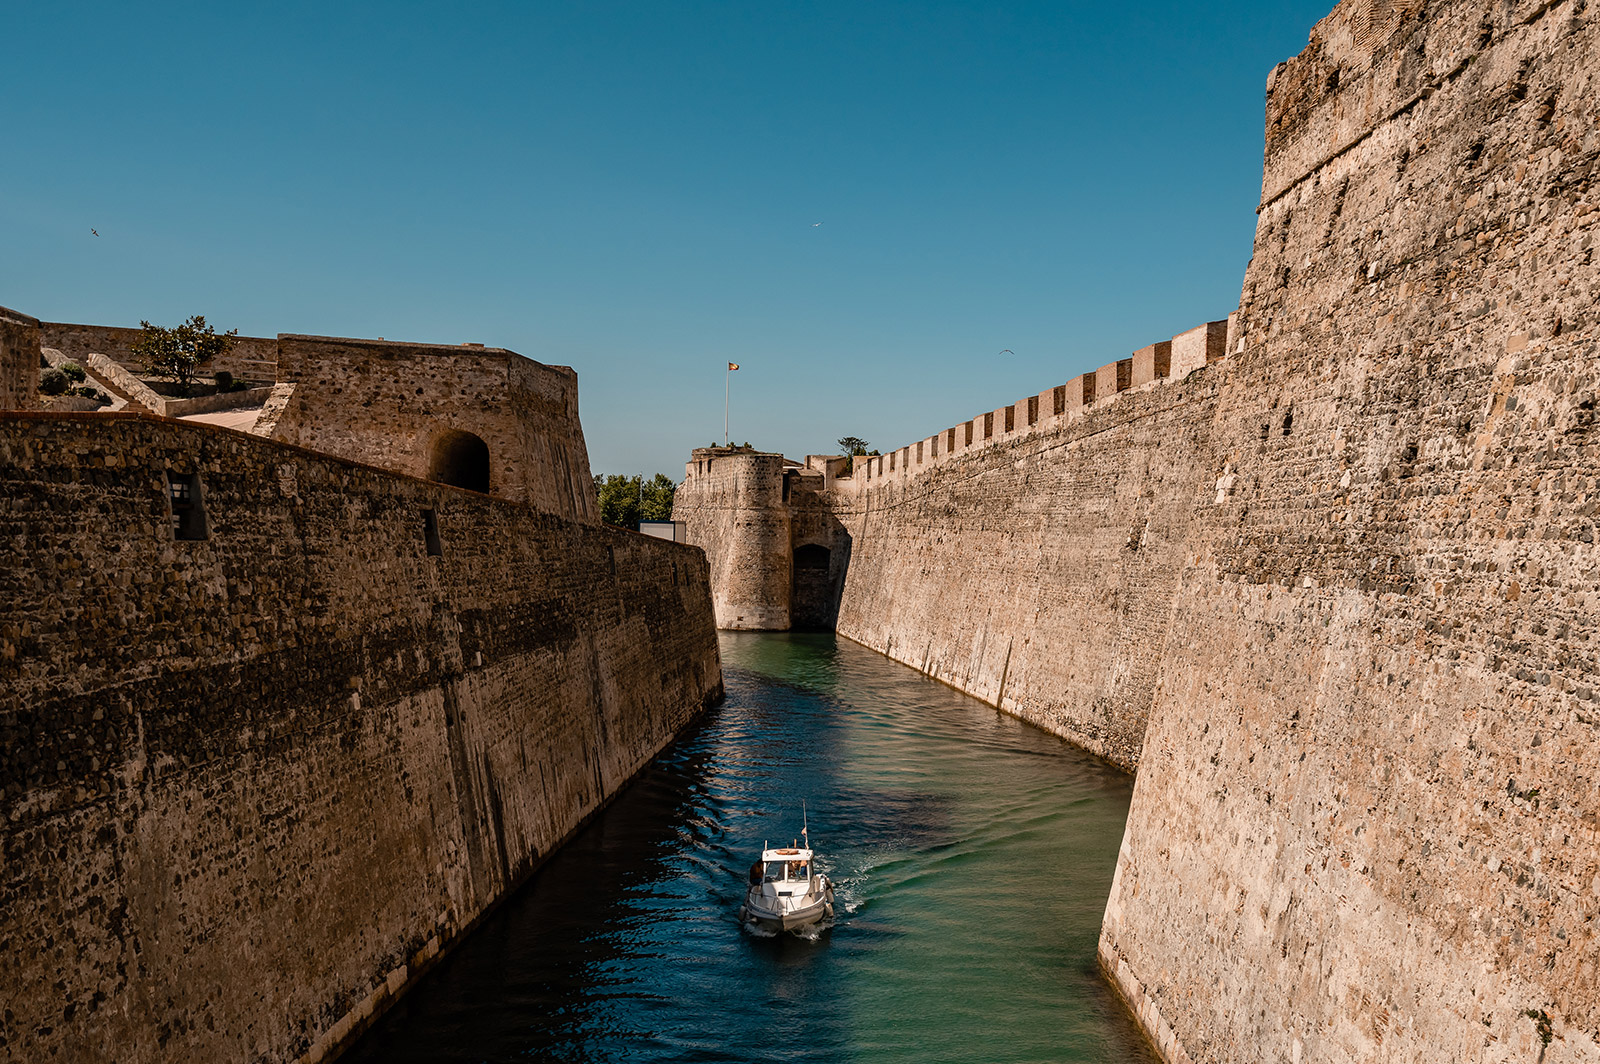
[251, 785]
[733, 508]
[397, 405]
[1037, 573]
[1365, 825]
[1027, 557]
[19, 360]
[1361, 618]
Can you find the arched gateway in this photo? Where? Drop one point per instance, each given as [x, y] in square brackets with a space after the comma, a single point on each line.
[460, 459]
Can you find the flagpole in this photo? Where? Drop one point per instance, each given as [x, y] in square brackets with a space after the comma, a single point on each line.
[727, 378]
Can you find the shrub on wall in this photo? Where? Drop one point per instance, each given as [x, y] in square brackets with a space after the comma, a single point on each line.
[52, 382]
[73, 371]
[176, 353]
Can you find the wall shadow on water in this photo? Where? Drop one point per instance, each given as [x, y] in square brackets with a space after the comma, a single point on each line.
[972, 854]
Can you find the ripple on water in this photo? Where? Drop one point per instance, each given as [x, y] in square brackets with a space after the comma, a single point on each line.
[971, 857]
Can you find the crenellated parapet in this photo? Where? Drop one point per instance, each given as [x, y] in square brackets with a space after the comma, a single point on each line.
[1049, 410]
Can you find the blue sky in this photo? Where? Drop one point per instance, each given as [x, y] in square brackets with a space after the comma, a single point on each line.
[631, 189]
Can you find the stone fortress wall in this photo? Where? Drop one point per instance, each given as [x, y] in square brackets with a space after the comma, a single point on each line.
[277, 727]
[740, 519]
[1335, 594]
[1149, 367]
[404, 406]
[1367, 819]
[777, 549]
[19, 364]
[1032, 564]
[977, 553]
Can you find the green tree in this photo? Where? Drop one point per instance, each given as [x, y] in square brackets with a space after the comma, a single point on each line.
[175, 353]
[853, 447]
[658, 492]
[625, 500]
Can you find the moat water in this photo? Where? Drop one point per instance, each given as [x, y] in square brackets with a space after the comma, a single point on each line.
[972, 855]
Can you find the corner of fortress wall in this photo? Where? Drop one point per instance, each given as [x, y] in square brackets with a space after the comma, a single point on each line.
[733, 506]
[19, 359]
[1364, 827]
[269, 761]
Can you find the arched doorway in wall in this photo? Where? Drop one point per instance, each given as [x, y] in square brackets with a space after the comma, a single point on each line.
[811, 602]
[461, 459]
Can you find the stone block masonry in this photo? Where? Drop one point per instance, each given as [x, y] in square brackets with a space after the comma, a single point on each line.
[19, 360]
[1367, 820]
[735, 509]
[1037, 573]
[270, 743]
[1333, 586]
[401, 406]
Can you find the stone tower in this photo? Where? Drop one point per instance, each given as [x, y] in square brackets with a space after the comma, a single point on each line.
[732, 504]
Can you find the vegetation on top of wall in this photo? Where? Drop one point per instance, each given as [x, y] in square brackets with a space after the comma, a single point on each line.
[853, 447]
[73, 371]
[176, 353]
[625, 500]
[53, 382]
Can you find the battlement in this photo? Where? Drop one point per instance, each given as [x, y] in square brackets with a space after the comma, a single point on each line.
[1152, 366]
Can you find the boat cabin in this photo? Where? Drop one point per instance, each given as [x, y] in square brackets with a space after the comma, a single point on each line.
[786, 865]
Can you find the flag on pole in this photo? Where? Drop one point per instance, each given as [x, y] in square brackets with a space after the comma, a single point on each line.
[733, 365]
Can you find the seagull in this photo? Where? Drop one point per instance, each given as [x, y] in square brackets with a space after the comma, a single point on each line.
[1007, 351]
[96, 232]
[815, 224]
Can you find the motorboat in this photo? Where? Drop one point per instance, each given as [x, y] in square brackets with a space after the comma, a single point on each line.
[786, 890]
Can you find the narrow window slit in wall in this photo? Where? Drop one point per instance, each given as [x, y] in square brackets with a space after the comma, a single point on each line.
[188, 506]
[1288, 420]
[430, 533]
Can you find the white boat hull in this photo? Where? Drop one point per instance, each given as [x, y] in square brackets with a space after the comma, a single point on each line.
[779, 913]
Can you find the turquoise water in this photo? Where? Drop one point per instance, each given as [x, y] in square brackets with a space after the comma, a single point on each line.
[972, 856]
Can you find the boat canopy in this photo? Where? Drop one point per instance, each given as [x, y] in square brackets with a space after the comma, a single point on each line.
[787, 853]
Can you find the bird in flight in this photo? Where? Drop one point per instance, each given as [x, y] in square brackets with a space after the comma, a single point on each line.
[1007, 351]
[815, 224]
[96, 232]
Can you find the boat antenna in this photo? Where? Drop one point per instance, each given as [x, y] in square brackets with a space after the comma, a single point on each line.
[805, 832]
